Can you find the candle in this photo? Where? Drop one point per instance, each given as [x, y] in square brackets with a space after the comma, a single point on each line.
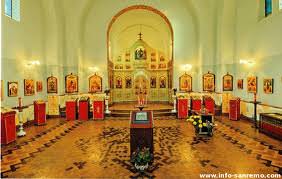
[20, 102]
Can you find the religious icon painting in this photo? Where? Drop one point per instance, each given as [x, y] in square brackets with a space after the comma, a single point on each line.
[140, 53]
[153, 57]
[119, 58]
[127, 56]
[227, 82]
[127, 67]
[162, 59]
[1, 90]
[95, 83]
[52, 84]
[209, 82]
[128, 83]
[240, 83]
[268, 86]
[29, 87]
[39, 86]
[185, 83]
[12, 89]
[153, 66]
[153, 82]
[118, 82]
[162, 82]
[162, 66]
[252, 84]
[71, 83]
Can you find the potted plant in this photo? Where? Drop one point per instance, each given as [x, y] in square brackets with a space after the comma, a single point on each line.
[141, 158]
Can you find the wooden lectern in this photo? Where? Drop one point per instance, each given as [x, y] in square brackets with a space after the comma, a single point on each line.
[234, 109]
[98, 110]
[182, 108]
[71, 109]
[39, 112]
[196, 105]
[209, 105]
[83, 109]
[8, 127]
[141, 131]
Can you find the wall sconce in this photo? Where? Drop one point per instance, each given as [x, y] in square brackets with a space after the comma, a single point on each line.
[94, 69]
[186, 67]
[247, 62]
[32, 63]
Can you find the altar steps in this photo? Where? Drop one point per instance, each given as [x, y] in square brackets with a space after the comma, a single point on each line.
[156, 113]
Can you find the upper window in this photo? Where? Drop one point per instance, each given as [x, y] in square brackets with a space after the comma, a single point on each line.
[12, 9]
[280, 4]
[268, 7]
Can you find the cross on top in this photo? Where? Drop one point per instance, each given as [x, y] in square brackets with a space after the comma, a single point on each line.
[140, 36]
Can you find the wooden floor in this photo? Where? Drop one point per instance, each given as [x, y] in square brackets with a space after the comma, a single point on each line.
[100, 149]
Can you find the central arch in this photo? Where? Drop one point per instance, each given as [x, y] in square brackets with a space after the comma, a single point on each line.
[110, 65]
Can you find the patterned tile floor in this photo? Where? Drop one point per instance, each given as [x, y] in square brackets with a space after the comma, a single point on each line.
[101, 149]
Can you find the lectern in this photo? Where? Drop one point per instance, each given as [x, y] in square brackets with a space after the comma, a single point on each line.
[234, 109]
[71, 109]
[182, 108]
[39, 112]
[196, 104]
[141, 131]
[8, 127]
[84, 108]
[209, 105]
[98, 109]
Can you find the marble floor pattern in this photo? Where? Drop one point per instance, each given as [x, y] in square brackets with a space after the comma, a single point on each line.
[101, 149]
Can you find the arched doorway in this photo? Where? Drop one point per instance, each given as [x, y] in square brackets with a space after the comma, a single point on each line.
[135, 43]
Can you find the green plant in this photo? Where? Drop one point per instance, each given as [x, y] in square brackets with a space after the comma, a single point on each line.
[141, 157]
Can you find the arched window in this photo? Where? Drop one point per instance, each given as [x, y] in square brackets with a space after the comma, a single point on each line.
[268, 7]
[12, 9]
[280, 4]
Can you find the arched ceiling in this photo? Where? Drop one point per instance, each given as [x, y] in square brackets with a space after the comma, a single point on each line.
[155, 30]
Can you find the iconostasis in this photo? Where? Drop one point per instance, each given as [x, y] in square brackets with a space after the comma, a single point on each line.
[140, 69]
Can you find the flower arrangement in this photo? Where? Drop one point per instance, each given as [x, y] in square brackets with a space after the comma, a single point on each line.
[141, 158]
[198, 124]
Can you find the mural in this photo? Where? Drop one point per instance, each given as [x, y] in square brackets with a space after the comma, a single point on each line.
[95, 83]
[52, 84]
[71, 83]
[185, 83]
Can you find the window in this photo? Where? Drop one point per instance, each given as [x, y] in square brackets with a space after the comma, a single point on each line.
[268, 7]
[280, 4]
[12, 9]
[8, 8]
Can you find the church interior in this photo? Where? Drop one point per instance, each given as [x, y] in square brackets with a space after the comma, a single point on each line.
[141, 88]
